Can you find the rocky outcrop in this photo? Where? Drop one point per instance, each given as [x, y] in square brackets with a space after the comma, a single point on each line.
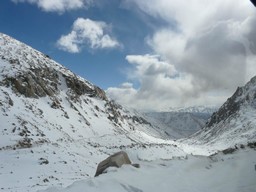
[234, 121]
[115, 160]
[229, 108]
[32, 85]
[80, 87]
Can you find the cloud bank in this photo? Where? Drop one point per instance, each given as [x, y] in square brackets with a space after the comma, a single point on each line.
[58, 5]
[87, 32]
[201, 61]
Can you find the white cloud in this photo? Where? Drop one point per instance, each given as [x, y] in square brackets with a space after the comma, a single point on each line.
[211, 46]
[58, 5]
[150, 65]
[87, 32]
[211, 50]
[124, 94]
[69, 43]
[161, 86]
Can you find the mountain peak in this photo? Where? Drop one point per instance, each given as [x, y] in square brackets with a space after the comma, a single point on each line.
[33, 74]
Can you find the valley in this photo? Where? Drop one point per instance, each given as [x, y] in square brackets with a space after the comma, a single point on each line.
[56, 127]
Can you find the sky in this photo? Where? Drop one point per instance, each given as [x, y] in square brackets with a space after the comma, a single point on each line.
[146, 54]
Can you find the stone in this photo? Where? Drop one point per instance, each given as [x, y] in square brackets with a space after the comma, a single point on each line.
[228, 151]
[115, 160]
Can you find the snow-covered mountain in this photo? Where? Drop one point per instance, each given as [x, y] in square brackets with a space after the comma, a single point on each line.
[36, 91]
[195, 109]
[56, 127]
[180, 122]
[55, 122]
[235, 121]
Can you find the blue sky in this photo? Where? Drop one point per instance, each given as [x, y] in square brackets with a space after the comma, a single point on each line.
[104, 67]
[147, 54]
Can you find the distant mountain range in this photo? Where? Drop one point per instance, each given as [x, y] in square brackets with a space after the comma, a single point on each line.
[180, 122]
[195, 109]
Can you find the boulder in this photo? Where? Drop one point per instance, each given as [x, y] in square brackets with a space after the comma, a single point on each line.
[115, 160]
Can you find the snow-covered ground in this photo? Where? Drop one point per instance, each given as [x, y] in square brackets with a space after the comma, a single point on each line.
[220, 173]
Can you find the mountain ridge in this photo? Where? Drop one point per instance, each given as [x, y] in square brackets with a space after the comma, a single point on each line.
[32, 75]
[235, 121]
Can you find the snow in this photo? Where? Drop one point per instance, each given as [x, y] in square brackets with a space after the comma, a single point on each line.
[242, 127]
[230, 173]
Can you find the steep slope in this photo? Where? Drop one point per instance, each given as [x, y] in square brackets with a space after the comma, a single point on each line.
[56, 126]
[182, 122]
[37, 91]
[235, 121]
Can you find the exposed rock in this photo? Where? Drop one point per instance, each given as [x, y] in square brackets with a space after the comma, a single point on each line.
[229, 108]
[56, 104]
[229, 151]
[252, 144]
[14, 61]
[24, 143]
[80, 88]
[34, 84]
[114, 114]
[115, 160]
[43, 161]
[140, 120]
[100, 93]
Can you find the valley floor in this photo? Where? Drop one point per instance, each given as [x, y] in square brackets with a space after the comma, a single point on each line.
[228, 173]
[163, 168]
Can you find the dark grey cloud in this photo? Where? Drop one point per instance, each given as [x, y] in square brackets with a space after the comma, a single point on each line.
[216, 60]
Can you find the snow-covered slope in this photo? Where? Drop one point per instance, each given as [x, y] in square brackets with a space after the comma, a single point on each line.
[56, 126]
[234, 123]
[181, 122]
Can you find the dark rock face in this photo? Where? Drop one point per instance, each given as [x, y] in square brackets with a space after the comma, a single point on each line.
[230, 107]
[228, 151]
[115, 160]
[35, 83]
[80, 88]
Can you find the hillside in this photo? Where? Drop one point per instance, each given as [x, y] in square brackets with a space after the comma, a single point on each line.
[234, 123]
[57, 123]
